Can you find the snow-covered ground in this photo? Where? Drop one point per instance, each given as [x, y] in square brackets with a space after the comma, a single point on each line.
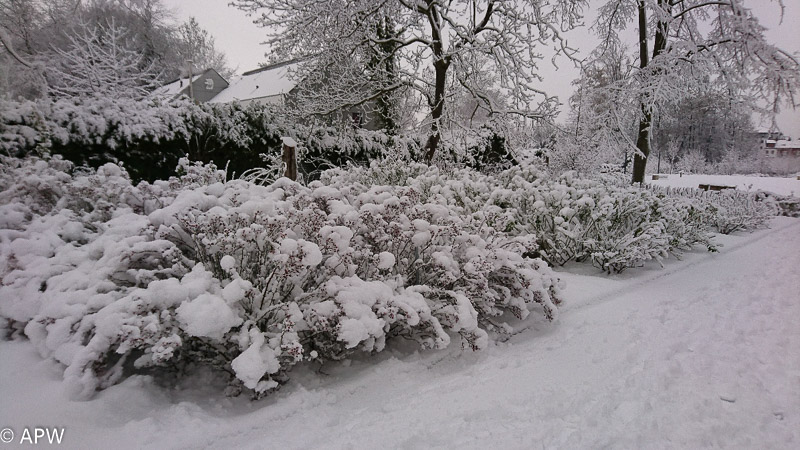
[702, 353]
[782, 186]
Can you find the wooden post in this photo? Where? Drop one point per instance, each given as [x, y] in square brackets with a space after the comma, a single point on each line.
[290, 158]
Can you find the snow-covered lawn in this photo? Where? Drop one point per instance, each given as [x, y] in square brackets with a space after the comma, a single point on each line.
[782, 186]
[702, 353]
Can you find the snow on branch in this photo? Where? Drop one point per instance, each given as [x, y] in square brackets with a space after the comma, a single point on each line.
[99, 62]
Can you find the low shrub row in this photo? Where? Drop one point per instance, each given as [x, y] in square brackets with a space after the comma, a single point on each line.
[110, 278]
[611, 224]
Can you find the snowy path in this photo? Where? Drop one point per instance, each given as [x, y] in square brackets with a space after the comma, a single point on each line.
[704, 353]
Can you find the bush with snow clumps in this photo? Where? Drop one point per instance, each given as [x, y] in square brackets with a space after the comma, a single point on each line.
[110, 278]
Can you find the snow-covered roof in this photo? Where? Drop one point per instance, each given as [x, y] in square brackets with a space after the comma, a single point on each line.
[175, 88]
[267, 81]
[786, 144]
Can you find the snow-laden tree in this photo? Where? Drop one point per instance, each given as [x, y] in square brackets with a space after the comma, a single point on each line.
[37, 30]
[100, 62]
[707, 121]
[688, 43]
[18, 18]
[601, 113]
[434, 43]
[197, 45]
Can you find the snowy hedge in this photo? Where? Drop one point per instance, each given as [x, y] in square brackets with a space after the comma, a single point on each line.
[149, 137]
[110, 278]
[731, 210]
[611, 224]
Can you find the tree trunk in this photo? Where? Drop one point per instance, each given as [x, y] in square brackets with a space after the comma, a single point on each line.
[643, 138]
[436, 110]
[643, 145]
[440, 66]
[646, 120]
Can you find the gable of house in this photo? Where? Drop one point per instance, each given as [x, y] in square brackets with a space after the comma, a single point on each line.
[208, 86]
[204, 86]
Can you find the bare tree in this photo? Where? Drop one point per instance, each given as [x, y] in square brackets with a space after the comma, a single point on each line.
[697, 42]
[100, 62]
[197, 45]
[433, 41]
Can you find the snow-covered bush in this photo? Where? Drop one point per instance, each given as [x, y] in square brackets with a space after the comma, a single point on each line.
[605, 221]
[298, 247]
[729, 210]
[110, 278]
[609, 223]
[740, 212]
[613, 225]
[149, 136]
[23, 128]
[786, 205]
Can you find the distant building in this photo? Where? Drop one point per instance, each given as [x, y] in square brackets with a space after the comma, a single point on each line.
[268, 85]
[203, 87]
[784, 148]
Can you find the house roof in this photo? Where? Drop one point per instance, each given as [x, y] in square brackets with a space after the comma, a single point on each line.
[174, 88]
[267, 81]
[786, 144]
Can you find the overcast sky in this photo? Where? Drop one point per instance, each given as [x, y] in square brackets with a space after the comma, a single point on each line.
[241, 40]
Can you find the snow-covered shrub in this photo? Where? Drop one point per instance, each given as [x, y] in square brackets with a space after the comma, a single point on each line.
[688, 224]
[289, 242]
[464, 190]
[79, 263]
[786, 205]
[110, 278]
[613, 225]
[30, 187]
[605, 221]
[729, 210]
[627, 230]
[145, 135]
[734, 211]
[23, 128]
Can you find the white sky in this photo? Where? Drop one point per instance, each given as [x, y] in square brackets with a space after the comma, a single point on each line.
[241, 41]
